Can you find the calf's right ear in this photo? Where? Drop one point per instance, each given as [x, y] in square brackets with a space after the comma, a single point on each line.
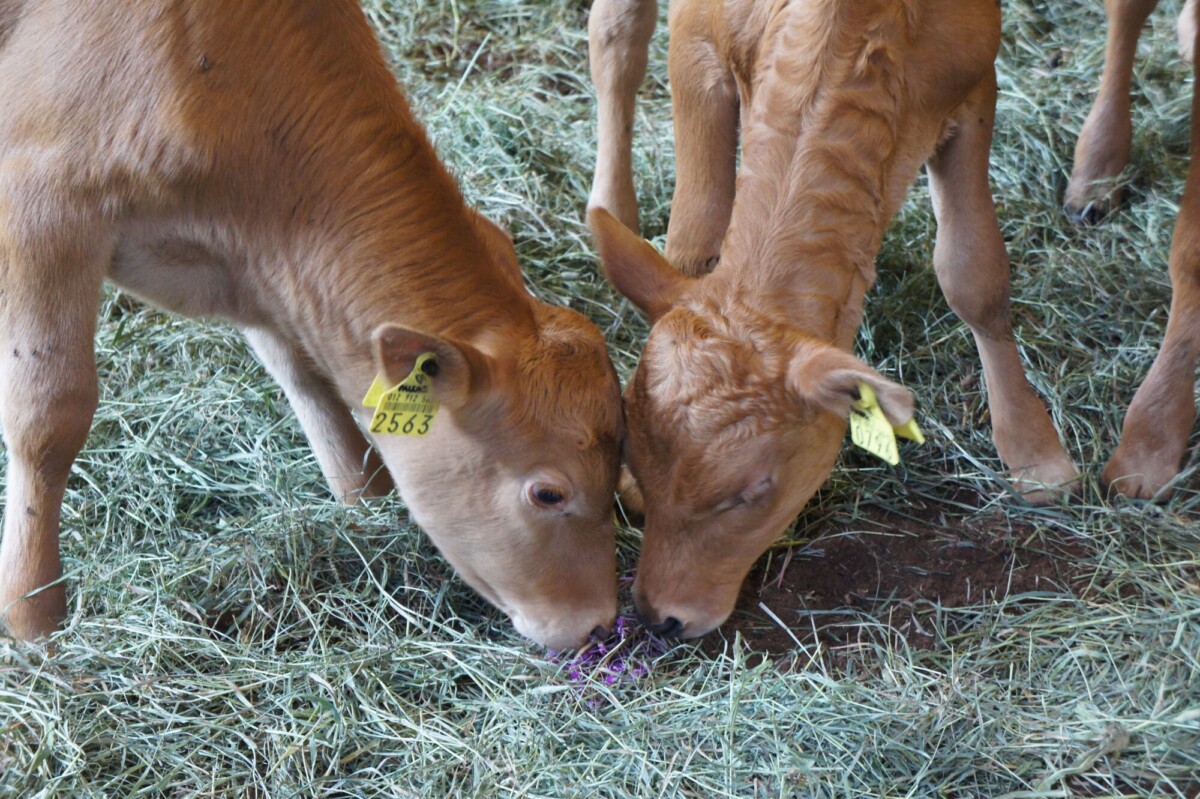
[634, 267]
[456, 372]
[829, 378]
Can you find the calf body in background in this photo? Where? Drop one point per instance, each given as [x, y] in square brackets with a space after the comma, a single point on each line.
[256, 161]
[737, 410]
[1160, 418]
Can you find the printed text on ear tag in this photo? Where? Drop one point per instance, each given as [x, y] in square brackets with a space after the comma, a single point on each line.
[871, 430]
[406, 409]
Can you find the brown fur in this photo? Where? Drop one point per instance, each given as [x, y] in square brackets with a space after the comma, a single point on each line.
[255, 161]
[1163, 412]
[737, 410]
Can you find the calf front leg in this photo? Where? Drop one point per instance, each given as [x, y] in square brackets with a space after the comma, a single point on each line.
[704, 97]
[972, 269]
[1102, 152]
[351, 467]
[49, 294]
[1162, 413]
[618, 43]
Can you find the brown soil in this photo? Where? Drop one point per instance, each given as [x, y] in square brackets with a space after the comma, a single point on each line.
[899, 570]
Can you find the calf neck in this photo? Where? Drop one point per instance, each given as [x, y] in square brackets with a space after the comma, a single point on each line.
[737, 409]
[256, 162]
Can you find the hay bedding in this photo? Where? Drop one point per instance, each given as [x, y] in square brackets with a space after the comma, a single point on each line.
[236, 633]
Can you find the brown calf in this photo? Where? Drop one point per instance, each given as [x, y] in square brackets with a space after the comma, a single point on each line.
[738, 408]
[1163, 411]
[256, 161]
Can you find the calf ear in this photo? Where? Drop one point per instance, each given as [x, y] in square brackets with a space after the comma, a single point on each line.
[829, 378]
[499, 245]
[634, 267]
[456, 372]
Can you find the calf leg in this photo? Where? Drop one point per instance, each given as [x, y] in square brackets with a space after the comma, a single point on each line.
[352, 469]
[49, 293]
[1102, 151]
[972, 269]
[1162, 413]
[618, 43]
[705, 102]
[1185, 30]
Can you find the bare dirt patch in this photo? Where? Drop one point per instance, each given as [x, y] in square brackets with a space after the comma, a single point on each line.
[898, 570]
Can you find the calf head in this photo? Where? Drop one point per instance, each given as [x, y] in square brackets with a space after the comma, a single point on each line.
[734, 419]
[514, 482]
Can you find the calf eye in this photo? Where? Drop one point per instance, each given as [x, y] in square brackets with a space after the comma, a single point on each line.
[758, 490]
[547, 495]
[731, 503]
[750, 495]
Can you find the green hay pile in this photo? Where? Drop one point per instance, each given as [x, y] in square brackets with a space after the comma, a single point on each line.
[233, 632]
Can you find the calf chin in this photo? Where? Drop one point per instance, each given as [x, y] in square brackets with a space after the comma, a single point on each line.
[699, 584]
[568, 627]
[700, 613]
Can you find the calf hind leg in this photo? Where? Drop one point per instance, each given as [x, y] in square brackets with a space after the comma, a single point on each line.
[48, 394]
[972, 269]
[704, 97]
[1102, 152]
[618, 41]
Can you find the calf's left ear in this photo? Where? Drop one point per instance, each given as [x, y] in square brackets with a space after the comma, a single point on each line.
[830, 378]
[634, 267]
[456, 372]
[499, 245]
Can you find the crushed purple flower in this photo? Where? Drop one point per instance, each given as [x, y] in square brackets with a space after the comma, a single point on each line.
[624, 657]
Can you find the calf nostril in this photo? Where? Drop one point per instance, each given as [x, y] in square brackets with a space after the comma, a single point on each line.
[667, 628]
[599, 634]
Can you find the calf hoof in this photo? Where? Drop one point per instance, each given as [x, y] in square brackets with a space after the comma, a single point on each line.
[1153, 437]
[1142, 477]
[1089, 199]
[1047, 483]
[34, 617]
[1090, 213]
[1087, 202]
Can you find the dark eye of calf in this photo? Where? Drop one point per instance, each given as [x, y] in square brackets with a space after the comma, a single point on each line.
[549, 496]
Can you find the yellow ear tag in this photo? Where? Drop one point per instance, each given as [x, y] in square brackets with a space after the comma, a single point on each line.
[871, 430]
[406, 409]
[910, 431]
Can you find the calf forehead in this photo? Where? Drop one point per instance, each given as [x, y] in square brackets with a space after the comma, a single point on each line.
[567, 387]
[706, 374]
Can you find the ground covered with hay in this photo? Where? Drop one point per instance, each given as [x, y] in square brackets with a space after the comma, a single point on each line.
[233, 632]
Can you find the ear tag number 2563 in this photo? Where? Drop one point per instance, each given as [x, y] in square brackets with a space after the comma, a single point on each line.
[406, 409]
[871, 430]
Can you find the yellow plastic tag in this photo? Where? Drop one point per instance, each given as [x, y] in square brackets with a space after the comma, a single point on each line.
[375, 392]
[910, 431]
[406, 409]
[871, 430]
